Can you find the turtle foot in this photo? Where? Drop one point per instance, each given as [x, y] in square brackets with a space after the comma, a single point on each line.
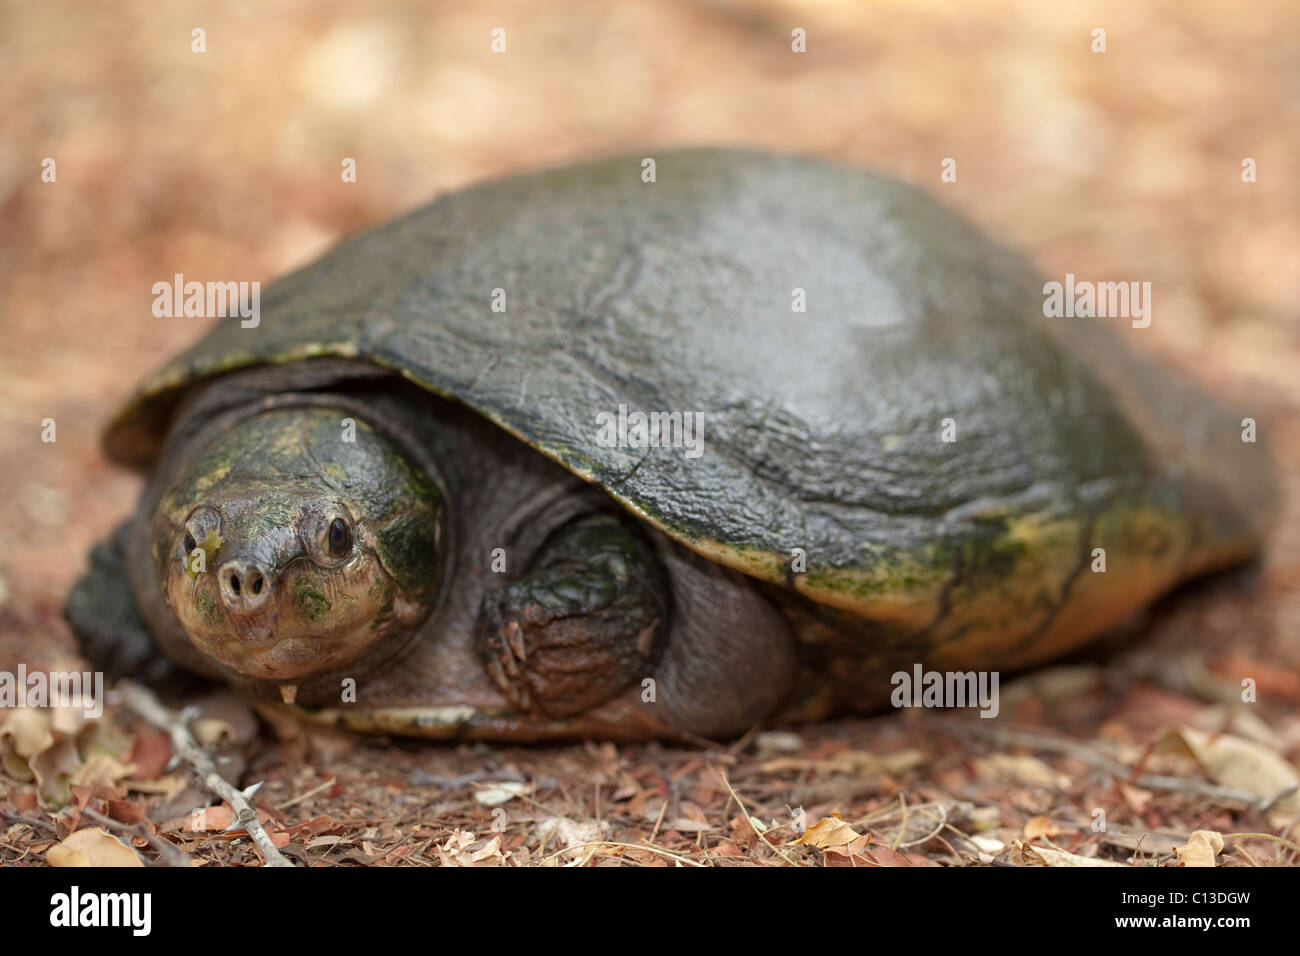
[582, 624]
[113, 636]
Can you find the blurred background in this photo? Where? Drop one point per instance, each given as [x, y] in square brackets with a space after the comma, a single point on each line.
[226, 164]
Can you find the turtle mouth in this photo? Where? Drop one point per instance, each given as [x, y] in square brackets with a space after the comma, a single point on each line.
[287, 623]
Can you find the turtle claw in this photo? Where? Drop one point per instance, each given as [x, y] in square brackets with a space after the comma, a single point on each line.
[581, 625]
[507, 657]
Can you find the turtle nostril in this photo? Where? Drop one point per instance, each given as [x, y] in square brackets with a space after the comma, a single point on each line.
[244, 585]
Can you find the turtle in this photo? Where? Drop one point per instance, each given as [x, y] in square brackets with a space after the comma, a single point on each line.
[654, 447]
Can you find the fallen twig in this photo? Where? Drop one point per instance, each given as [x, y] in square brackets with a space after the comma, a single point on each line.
[902, 827]
[754, 823]
[142, 701]
[28, 821]
[310, 793]
[1261, 836]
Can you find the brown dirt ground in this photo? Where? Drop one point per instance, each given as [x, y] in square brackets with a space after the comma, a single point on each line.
[1115, 165]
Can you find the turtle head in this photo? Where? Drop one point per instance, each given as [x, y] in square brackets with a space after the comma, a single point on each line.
[298, 541]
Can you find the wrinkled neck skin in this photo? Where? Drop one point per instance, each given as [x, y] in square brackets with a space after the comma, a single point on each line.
[296, 540]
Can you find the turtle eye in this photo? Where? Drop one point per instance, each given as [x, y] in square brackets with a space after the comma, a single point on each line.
[202, 523]
[339, 538]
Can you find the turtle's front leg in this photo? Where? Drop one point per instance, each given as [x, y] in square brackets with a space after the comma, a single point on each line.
[113, 636]
[585, 621]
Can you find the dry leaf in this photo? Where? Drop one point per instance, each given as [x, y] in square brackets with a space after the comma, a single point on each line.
[1137, 799]
[854, 762]
[1241, 764]
[692, 811]
[683, 825]
[1026, 855]
[692, 820]
[150, 753]
[984, 818]
[456, 852]
[987, 844]
[493, 849]
[24, 733]
[101, 770]
[327, 841]
[68, 720]
[1026, 769]
[104, 737]
[92, 847]
[169, 786]
[1201, 848]
[1040, 826]
[212, 732]
[827, 832]
[54, 768]
[569, 833]
[210, 819]
[503, 792]
[126, 811]
[223, 718]
[850, 854]
[16, 767]
[26, 730]
[743, 832]
[884, 856]
[1239, 721]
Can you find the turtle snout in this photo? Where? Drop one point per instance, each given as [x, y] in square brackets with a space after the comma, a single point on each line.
[245, 585]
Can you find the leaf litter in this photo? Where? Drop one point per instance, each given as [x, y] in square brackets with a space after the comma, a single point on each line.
[911, 789]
